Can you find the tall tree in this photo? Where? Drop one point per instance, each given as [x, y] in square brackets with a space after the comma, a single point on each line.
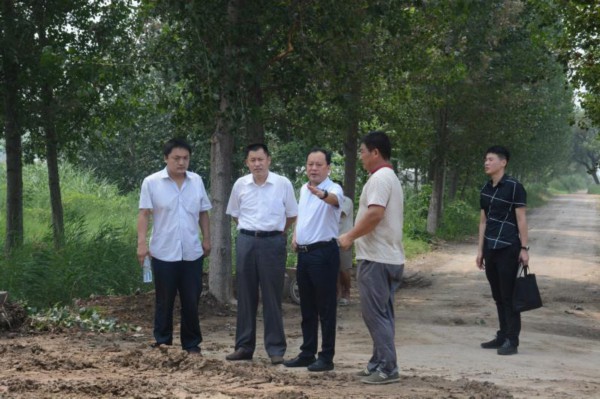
[12, 130]
[77, 46]
[581, 49]
[586, 147]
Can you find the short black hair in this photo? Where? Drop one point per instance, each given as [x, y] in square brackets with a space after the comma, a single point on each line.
[499, 150]
[381, 141]
[176, 143]
[323, 150]
[256, 147]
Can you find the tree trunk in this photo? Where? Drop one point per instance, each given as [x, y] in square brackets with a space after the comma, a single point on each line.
[453, 186]
[255, 127]
[221, 154]
[58, 227]
[594, 174]
[51, 138]
[12, 132]
[416, 181]
[220, 281]
[350, 151]
[434, 215]
[438, 171]
[351, 139]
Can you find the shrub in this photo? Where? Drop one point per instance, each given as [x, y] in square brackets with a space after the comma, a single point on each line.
[101, 262]
[416, 206]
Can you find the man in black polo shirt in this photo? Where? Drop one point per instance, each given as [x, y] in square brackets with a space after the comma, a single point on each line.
[502, 244]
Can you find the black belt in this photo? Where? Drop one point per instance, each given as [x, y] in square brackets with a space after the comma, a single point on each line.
[260, 233]
[316, 245]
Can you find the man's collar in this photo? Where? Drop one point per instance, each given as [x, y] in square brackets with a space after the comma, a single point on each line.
[385, 165]
[501, 181]
[164, 174]
[270, 178]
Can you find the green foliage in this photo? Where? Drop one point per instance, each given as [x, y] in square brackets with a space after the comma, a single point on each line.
[416, 206]
[460, 220]
[414, 247]
[98, 256]
[537, 194]
[99, 262]
[568, 183]
[84, 197]
[579, 49]
[594, 189]
[88, 319]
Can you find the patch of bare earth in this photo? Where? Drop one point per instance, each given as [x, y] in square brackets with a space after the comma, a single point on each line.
[443, 312]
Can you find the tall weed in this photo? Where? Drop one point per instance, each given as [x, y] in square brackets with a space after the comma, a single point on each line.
[416, 206]
[98, 256]
[99, 262]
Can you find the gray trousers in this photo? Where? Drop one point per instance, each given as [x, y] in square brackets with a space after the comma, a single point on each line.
[377, 283]
[260, 262]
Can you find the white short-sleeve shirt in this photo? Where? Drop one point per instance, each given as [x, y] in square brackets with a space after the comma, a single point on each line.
[318, 220]
[262, 207]
[175, 215]
[347, 216]
[384, 243]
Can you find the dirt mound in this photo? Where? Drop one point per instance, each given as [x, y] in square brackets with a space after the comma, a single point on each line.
[139, 309]
[12, 316]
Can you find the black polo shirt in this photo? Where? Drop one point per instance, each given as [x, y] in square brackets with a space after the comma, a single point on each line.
[499, 204]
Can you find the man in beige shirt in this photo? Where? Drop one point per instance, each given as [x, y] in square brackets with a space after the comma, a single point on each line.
[380, 255]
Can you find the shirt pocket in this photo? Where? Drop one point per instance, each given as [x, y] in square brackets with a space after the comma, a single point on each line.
[275, 206]
[191, 203]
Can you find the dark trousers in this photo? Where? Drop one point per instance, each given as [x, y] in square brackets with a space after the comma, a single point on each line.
[501, 268]
[317, 282]
[170, 278]
[260, 263]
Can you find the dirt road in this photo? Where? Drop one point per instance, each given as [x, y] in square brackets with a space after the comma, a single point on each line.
[439, 327]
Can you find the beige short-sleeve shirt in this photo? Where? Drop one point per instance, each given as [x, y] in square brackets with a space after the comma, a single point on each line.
[384, 243]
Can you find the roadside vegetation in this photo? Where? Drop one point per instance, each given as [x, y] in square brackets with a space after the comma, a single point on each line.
[98, 257]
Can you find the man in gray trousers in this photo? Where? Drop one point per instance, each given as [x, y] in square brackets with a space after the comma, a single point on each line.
[380, 255]
[263, 205]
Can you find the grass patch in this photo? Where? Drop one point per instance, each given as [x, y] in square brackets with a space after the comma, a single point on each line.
[99, 252]
[568, 183]
[594, 189]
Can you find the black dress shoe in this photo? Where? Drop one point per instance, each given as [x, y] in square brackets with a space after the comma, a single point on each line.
[508, 348]
[239, 354]
[299, 361]
[320, 365]
[493, 344]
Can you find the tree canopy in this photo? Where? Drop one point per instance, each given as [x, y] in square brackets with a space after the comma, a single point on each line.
[103, 83]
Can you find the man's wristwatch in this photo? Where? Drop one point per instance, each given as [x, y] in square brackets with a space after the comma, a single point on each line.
[325, 194]
[525, 248]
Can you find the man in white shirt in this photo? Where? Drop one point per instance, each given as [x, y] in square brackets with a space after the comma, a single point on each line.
[318, 262]
[380, 255]
[263, 205]
[178, 204]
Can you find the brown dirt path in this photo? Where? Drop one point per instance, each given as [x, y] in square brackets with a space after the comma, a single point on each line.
[439, 328]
